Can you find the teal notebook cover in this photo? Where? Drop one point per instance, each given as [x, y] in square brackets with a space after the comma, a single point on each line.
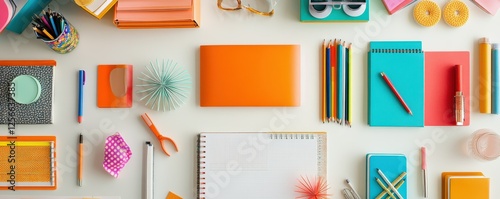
[25, 13]
[392, 165]
[337, 12]
[403, 63]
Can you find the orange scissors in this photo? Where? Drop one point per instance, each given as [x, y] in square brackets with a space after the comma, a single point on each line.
[160, 137]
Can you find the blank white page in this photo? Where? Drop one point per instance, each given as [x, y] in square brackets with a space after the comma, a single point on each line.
[259, 165]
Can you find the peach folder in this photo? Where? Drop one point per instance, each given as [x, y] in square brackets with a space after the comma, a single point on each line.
[440, 81]
[250, 75]
[155, 4]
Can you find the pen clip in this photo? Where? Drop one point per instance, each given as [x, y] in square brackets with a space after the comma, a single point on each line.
[83, 77]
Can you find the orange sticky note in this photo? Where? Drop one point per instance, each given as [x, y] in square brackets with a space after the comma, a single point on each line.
[171, 195]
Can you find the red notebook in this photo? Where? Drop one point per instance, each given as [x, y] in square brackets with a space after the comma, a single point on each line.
[440, 81]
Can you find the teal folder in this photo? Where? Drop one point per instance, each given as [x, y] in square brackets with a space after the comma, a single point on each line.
[25, 13]
[392, 165]
[403, 63]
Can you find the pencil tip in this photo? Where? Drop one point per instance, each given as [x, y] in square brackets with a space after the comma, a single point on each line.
[411, 113]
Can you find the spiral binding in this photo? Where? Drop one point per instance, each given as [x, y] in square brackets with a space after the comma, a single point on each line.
[202, 140]
[396, 50]
[201, 166]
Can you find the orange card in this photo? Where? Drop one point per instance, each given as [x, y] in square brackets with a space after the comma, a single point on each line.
[114, 86]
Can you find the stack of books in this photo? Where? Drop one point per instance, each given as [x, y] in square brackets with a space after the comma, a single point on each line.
[157, 14]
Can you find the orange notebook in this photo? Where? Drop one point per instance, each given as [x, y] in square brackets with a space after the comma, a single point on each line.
[465, 185]
[440, 81]
[250, 75]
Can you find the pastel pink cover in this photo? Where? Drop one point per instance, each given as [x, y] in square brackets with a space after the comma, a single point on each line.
[5, 13]
[440, 81]
[393, 6]
[489, 6]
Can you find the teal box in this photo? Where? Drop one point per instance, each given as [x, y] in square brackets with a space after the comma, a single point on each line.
[334, 10]
[25, 14]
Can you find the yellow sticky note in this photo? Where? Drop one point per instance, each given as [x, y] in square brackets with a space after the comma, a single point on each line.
[171, 195]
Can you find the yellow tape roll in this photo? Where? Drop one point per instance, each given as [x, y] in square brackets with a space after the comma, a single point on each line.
[426, 13]
[456, 13]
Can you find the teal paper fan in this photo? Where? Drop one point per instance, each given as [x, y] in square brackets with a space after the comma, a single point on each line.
[165, 86]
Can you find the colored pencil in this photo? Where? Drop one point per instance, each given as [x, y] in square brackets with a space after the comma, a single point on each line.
[334, 81]
[323, 68]
[391, 86]
[328, 85]
[348, 85]
[340, 80]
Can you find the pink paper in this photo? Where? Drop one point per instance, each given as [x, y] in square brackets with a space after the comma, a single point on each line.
[116, 154]
[391, 4]
[489, 6]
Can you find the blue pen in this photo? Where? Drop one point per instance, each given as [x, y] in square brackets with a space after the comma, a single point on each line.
[81, 82]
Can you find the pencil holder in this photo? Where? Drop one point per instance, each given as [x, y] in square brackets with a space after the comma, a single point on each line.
[66, 41]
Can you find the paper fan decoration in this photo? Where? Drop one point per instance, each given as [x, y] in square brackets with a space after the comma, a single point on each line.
[315, 189]
[165, 85]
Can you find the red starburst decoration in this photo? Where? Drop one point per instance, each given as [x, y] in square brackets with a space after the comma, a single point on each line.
[315, 189]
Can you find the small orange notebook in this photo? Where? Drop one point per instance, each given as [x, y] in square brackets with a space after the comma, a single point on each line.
[465, 185]
[250, 75]
[440, 81]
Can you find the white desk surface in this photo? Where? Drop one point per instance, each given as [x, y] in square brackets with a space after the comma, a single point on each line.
[101, 42]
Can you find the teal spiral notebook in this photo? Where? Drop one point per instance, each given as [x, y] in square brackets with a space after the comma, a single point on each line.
[393, 166]
[403, 63]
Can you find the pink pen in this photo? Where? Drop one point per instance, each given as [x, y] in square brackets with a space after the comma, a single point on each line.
[424, 169]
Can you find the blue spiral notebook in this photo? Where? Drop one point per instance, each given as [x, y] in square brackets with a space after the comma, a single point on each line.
[393, 166]
[403, 63]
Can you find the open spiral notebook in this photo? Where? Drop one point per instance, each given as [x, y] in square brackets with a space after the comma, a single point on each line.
[258, 165]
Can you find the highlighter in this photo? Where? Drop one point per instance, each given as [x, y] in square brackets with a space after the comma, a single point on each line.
[459, 98]
[484, 76]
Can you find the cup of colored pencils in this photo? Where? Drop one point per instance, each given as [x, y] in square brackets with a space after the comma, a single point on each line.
[55, 31]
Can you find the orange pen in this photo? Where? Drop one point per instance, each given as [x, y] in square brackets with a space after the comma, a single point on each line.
[80, 161]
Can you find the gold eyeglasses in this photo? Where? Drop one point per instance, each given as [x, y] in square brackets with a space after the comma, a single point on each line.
[261, 7]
